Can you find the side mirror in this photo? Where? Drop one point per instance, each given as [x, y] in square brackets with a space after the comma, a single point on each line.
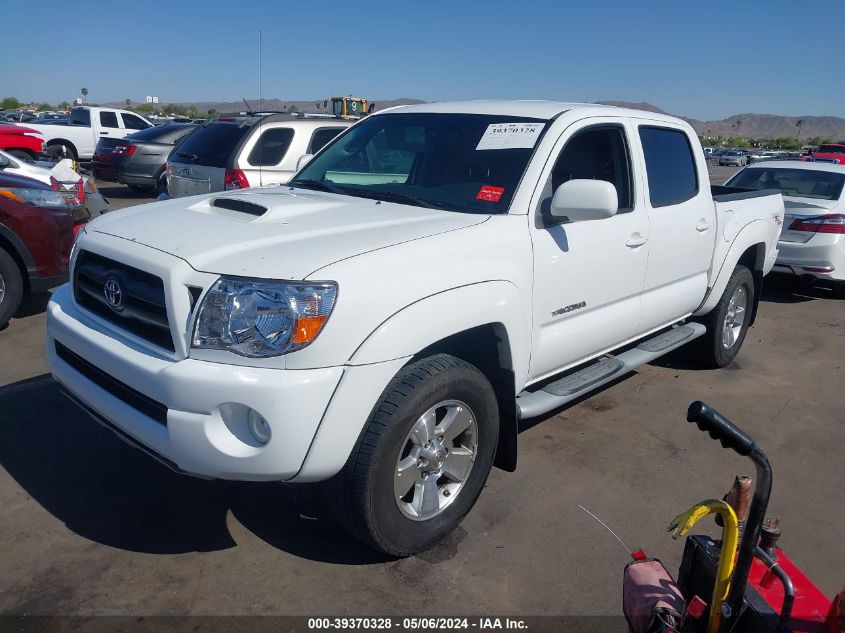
[580, 200]
[303, 161]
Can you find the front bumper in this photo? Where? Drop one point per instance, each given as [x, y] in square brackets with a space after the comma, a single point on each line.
[204, 430]
[822, 257]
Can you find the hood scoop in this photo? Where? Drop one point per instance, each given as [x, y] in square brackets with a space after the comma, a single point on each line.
[239, 206]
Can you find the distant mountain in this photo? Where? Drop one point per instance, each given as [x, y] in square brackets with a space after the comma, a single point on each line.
[752, 125]
[271, 105]
[748, 125]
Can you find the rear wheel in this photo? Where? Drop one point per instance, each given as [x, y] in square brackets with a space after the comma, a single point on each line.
[727, 324]
[11, 288]
[422, 459]
[58, 151]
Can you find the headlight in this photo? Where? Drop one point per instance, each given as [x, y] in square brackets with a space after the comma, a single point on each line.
[261, 318]
[35, 197]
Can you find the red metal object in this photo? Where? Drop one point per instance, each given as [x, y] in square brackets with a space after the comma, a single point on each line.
[811, 607]
[834, 152]
[21, 138]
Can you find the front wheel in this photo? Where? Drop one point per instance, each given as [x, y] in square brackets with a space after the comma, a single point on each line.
[422, 459]
[728, 322]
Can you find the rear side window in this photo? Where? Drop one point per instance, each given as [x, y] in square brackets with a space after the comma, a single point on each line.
[670, 166]
[271, 146]
[322, 137]
[80, 116]
[108, 119]
[132, 122]
[211, 146]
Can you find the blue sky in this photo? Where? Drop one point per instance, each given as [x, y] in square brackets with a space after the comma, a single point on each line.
[702, 59]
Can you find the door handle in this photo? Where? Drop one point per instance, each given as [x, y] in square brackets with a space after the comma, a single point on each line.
[104, 133]
[703, 225]
[636, 241]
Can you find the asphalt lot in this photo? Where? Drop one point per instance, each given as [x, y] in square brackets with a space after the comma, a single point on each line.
[91, 526]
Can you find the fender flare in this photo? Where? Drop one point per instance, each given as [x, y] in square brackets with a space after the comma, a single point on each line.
[394, 343]
[450, 312]
[753, 233]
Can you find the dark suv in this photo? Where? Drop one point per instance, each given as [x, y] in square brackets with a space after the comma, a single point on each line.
[37, 229]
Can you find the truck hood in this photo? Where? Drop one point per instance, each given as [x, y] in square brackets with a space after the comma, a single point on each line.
[275, 233]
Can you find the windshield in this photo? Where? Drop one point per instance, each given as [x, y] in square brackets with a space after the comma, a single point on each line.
[831, 149]
[801, 183]
[458, 162]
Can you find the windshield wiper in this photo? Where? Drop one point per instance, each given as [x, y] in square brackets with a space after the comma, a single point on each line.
[393, 196]
[319, 185]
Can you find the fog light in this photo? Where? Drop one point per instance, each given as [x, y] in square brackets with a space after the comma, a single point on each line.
[259, 427]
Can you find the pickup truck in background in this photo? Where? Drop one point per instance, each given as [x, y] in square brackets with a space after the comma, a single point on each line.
[828, 153]
[384, 321]
[77, 138]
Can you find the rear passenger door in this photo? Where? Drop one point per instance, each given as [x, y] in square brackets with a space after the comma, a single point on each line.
[109, 125]
[682, 224]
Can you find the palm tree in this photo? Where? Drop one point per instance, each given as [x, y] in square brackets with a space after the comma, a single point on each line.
[798, 125]
[84, 93]
[128, 102]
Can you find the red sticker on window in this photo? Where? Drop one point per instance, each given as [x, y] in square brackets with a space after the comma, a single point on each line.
[490, 194]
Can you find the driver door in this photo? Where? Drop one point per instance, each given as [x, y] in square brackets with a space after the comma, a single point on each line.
[588, 275]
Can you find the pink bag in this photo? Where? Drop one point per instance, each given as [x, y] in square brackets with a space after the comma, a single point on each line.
[651, 600]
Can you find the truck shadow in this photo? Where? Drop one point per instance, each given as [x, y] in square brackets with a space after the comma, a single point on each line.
[110, 493]
[779, 288]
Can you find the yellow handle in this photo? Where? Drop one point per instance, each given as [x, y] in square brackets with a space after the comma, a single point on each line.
[682, 524]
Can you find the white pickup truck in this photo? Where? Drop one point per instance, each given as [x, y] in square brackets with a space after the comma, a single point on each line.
[78, 138]
[383, 322]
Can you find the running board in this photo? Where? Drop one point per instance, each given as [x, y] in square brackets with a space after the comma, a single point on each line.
[604, 370]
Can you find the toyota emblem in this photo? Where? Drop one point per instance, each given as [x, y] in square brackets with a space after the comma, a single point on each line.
[113, 293]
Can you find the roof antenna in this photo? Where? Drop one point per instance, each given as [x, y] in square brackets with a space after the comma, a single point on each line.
[248, 109]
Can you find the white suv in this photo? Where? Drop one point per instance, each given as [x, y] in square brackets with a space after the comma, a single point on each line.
[240, 152]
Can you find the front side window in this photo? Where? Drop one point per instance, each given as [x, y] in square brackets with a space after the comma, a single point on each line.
[132, 122]
[271, 146]
[599, 153]
[108, 119]
[831, 149]
[669, 165]
[459, 162]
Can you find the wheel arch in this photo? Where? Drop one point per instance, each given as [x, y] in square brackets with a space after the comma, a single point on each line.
[17, 250]
[62, 141]
[749, 249]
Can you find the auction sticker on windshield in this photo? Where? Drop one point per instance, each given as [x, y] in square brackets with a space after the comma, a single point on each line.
[510, 136]
[490, 194]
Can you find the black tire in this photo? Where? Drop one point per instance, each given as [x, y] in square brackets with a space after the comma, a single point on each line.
[58, 151]
[711, 351]
[839, 289]
[12, 285]
[20, 153]
[362, 495]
